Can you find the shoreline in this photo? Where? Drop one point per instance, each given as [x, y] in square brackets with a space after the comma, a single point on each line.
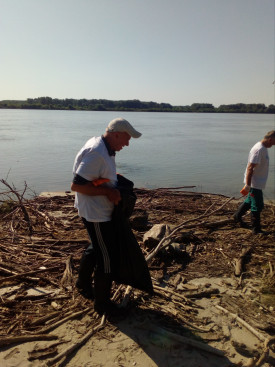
[49, 194]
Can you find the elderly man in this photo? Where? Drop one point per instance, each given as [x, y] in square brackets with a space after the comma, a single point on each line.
[255, 178]
[95, 204]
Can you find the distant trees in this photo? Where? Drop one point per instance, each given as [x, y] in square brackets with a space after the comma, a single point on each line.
[243, 108]
[48, 103]
[202, 107]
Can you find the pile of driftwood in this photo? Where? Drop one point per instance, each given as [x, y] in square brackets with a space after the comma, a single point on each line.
[42, 239]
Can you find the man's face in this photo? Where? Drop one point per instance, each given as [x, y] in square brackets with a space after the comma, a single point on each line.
[120, 140]
[270, 142]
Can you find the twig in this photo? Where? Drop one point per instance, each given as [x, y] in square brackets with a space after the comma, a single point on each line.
[175, 188]
[167, 290]
[242, 322]
[28, 273]
[60, 322]
[20, 202]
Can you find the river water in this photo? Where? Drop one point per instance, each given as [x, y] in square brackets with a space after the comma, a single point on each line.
[208, 151]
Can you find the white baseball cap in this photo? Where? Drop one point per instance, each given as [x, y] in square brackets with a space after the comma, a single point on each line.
[121, 125]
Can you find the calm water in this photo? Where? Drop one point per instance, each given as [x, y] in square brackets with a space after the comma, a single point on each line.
[208, 151]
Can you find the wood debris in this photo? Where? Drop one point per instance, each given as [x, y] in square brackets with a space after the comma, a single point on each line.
[42, 240]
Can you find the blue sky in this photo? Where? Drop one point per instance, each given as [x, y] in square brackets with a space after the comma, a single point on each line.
[175, 51]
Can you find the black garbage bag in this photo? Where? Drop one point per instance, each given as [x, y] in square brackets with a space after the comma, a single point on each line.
[131, 267]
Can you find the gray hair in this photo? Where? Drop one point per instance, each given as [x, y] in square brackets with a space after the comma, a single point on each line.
[270, 134]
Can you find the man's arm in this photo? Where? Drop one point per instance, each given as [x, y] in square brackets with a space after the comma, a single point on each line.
[249, 173]
[89, 189]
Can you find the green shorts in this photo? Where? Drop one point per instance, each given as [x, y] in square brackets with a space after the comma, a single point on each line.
[255, 199]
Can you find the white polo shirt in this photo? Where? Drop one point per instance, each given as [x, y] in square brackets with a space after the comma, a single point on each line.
[258, 155]
[93, 161]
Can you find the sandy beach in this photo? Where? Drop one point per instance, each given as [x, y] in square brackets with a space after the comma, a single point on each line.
[201, 315]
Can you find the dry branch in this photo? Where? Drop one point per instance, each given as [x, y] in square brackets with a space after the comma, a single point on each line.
[24, 253]
[240, 260]
[67, 278]
[4, 341]
[20, 203]
[242, 322]
[167, 239]
[60, 322]
[28, 273]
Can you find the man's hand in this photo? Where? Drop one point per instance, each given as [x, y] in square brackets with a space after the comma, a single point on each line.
[113, 195]
[245, 190]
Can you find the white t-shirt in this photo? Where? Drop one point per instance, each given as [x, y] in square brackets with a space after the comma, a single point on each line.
[93, 161]
[258, 155]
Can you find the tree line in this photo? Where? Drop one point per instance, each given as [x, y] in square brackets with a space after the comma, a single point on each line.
[48, 103]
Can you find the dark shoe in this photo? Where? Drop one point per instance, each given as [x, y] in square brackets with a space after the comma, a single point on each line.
[103, 304]
[241, 223]
[85, 291]
[259, 231]
[109, 308]
[243, 208]
[256, 223]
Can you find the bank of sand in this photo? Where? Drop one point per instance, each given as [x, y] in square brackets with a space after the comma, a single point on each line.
[201, 315]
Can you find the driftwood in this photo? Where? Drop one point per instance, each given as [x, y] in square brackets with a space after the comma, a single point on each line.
[164, 291]
[28, 273]
[51, 249]
[67, 278]
[178, 316]
[60, 322]
[239, 262]
[268, 341]
[176, 188]
[182, 339]
[242, 322]
[168, 239]
[4, 341]
[43, 319]
[20, 203]
[254, 362]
